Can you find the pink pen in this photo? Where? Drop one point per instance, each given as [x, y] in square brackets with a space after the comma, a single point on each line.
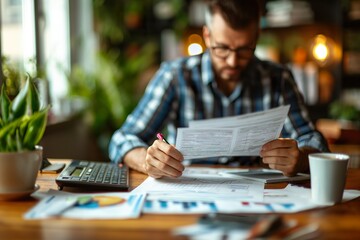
[161, 138]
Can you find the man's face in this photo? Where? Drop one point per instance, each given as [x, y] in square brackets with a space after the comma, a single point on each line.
[231, 50]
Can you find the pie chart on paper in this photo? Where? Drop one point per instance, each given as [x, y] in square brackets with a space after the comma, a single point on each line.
[108, 200]
[103, 201]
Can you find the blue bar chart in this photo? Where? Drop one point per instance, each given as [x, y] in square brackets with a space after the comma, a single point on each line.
[161, 206]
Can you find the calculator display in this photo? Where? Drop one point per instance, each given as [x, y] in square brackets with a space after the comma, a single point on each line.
[76, 172]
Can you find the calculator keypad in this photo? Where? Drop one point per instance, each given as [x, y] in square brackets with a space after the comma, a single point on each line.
[95, 174]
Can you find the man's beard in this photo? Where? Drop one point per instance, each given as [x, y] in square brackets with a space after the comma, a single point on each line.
[228, 73]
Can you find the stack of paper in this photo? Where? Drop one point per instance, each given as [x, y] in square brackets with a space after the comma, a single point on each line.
[206, 190]
[199, 190]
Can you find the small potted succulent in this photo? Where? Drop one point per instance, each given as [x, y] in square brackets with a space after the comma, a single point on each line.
[22, 125]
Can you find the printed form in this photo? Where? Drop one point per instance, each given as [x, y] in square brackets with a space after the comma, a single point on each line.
[197, 191]
[202, 184]
[241, 135]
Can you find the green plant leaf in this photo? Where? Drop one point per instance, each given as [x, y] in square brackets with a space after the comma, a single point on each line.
[18, 140]
[34, 97]
[20, 103]
[5, 105]
[345, 111]
[23, 126]
[22, 122]
[35, 129]
[11, 140]
[6, 129]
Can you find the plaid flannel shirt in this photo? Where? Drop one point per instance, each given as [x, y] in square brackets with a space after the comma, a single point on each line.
[185, 89]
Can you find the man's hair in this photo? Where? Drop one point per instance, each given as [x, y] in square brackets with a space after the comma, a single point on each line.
[236, 13]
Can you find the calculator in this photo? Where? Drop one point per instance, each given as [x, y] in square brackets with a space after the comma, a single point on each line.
[94, 175]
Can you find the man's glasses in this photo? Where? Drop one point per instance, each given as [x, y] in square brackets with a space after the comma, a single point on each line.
[241, 52]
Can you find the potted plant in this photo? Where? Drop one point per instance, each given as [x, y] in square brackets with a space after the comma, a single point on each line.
[22, 125]
[346, 113]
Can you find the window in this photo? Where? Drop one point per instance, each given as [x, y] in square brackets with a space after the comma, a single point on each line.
[39, 30]
[56, 49]
[18, 32]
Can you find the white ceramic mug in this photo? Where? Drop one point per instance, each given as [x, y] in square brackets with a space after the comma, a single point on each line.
[328, 177]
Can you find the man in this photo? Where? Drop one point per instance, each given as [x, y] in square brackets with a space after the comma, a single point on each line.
[226, 80]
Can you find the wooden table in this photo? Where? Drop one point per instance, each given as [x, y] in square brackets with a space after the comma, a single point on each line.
[341, 221]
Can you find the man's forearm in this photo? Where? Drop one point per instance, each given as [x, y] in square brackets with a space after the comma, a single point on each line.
[135, 159]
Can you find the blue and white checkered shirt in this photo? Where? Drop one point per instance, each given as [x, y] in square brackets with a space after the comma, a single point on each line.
[186, 89]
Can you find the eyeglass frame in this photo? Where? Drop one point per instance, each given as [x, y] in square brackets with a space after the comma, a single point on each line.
[239, 52]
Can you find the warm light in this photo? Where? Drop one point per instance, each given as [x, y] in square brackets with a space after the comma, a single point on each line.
[194, 45]
[195, 49]
[320, 49]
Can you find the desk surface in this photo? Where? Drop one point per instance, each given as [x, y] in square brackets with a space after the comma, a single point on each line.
[341, 221]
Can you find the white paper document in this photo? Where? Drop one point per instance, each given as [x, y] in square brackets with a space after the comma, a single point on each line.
[209, 183]
[206, 190]
[289, 200]
[196, 191]
[88, 206]
[241, 135]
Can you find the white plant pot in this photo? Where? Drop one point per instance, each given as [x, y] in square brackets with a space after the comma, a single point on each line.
[18, 170]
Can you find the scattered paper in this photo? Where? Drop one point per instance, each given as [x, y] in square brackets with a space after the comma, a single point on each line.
[199, 190]
[242, 135]
[196, 191]
[296, 194]
[288, 200]
[88, 206]
[206, 190]
[205, 182]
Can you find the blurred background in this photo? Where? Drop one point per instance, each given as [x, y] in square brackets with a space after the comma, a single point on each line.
[93, 58]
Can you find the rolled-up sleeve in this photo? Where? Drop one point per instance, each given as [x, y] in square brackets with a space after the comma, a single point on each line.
[314, 140]
[298, 124]
[121, 143]
[140, 127]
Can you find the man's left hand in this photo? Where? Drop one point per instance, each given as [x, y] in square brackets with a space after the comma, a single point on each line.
[282, 154]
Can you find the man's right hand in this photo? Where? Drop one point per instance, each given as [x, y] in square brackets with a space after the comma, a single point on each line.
[162, 160]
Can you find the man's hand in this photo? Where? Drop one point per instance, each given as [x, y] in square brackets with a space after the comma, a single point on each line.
[283, 154]
[163, 159]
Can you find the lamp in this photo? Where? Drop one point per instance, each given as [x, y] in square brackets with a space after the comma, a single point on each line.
[320, 50]
[324, 49]
[326, 52]
[194, 45]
